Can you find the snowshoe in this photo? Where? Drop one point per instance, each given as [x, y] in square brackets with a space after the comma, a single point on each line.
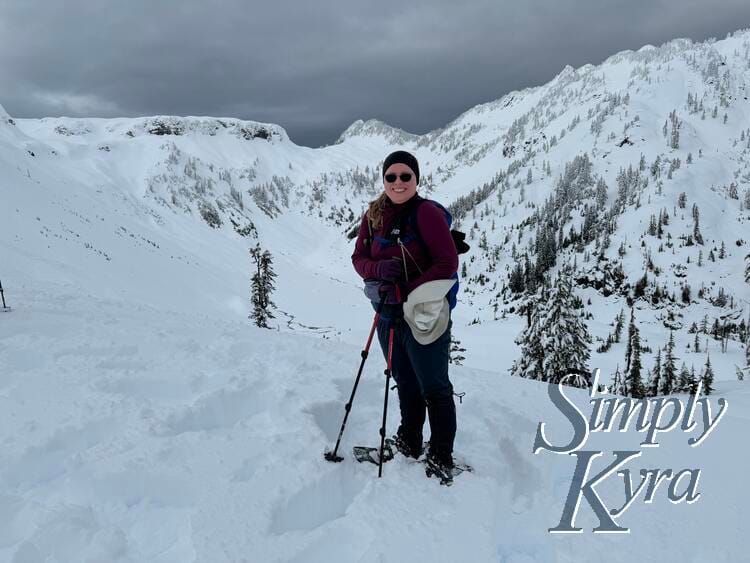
[443, 471]
[372, 455]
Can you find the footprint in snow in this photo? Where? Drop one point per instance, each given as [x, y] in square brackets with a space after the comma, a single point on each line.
[316, 504]
[327, 417]
[214, 411]
[524, 478]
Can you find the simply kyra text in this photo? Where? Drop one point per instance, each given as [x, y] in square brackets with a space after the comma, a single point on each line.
[652, 416]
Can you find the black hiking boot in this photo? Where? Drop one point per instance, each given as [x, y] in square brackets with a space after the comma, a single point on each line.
[440, 465]
[407, 446]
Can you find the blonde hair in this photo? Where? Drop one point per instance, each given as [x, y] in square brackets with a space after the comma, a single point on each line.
[375, 211]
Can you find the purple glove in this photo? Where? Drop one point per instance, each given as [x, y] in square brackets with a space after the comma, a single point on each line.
[374, 290]
[389, 269]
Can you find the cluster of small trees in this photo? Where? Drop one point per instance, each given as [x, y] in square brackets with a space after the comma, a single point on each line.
[456, 352]
[572, 189]
[674, 135]
[615, 335]
[663, 379]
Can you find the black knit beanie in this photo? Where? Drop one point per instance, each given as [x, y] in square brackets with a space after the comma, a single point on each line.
[402, 157]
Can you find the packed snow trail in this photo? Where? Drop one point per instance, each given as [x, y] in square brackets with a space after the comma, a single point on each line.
[131, 433]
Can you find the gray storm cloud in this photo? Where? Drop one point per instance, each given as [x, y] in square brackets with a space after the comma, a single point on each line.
[314, 68]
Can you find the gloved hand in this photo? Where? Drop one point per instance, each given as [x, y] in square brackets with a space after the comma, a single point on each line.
[389, 269]
[374, 290]
[392, 293]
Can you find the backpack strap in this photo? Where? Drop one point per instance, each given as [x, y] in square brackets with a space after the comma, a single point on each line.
[397, 233]
[457, 236]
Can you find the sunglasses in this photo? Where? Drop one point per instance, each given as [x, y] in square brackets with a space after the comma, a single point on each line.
[405, 177]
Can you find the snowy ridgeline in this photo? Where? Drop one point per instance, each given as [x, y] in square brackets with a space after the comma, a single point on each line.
[144, 418]
[132, 433]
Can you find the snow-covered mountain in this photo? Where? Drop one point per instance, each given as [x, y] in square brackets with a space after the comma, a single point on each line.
[124, 252]
[583, 163]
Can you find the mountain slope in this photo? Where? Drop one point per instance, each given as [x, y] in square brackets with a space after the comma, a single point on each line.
[574, 169]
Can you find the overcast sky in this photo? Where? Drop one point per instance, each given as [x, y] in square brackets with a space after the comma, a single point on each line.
[315, 67]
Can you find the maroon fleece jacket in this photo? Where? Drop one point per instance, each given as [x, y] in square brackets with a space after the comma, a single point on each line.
[436, 255]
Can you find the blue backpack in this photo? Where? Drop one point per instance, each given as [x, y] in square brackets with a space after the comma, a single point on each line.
[410, 218]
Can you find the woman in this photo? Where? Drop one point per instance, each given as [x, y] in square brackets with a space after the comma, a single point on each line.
[404, 242]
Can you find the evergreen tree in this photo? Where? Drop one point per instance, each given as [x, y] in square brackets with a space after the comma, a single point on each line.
[531, 362]
[617, 383]
[262, 286]
[696, 225]
[566, 337]
[693, 381]
[669, 372]
[684, 383]
[629, 346]
[649, 383]
[556, 341]
[601, 193]
[619, 322]
[704, 325]
[652, 389]
[529, 275]
[516, 280]
[686, 291]
[708, 377]
[634, 379]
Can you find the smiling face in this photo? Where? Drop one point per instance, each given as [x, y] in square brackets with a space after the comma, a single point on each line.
[399, 191]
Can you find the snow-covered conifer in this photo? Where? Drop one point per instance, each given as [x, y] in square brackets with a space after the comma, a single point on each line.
[652, 389]
[669, 373]
[262, 286]
[634, 377]
[566, 338]
[708, 377]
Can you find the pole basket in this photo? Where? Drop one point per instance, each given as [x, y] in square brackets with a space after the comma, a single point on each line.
[330, 456]
[3, 307]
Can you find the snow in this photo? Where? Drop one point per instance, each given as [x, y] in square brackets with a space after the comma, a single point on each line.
[133, 433]
[143, 418]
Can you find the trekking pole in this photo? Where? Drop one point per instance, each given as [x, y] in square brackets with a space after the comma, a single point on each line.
[2, 295]
[385, 401]
[332, 456]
